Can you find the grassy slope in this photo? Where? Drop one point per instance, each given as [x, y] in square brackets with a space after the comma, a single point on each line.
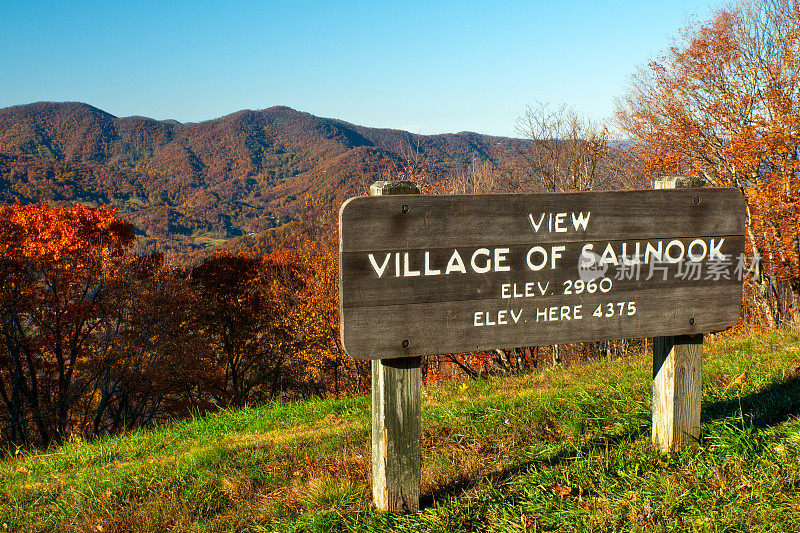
[565, 449]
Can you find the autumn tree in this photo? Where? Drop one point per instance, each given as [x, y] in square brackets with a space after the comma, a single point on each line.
[316, 319]
[564, 151]
[150, 360]
[244, 302]
[725, 105]
[54, 267]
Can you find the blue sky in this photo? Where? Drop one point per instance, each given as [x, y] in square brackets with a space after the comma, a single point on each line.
[429, 67]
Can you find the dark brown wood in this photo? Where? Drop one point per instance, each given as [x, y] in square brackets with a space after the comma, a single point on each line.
[391, 290]
[406, 330]
[467, 220]
[391, 308]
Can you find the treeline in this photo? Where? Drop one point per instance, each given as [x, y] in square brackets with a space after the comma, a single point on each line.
[94, 339]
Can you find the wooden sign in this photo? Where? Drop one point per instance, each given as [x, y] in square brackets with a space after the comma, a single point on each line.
[424, 274]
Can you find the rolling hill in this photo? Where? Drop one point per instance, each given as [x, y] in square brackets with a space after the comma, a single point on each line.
[189, 185]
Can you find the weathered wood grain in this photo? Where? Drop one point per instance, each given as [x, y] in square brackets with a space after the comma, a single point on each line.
[407, 330]
[392, 248]
[428, 221]
[677, 382]
[361, 286]
[677, 371]
[396, 405]
[396, 431]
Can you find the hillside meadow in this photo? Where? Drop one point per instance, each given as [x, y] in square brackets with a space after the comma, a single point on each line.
[562, 449]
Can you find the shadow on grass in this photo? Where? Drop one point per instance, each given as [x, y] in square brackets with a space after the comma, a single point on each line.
[565, 455]
[770, 406]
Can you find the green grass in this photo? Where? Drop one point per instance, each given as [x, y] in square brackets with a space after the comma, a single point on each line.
[209, 241]
[560, 450]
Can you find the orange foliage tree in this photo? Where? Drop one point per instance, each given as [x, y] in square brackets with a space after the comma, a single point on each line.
[54, 267]
[316, 319]
[725, 105]
[150, 360]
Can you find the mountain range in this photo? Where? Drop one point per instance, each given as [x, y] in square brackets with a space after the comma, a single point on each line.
[189, 185]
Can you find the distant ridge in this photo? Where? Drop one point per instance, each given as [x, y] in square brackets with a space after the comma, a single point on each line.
[190, 184]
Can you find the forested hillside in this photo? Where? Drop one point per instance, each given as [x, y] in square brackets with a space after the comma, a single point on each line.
[190, 185]
[171, 353]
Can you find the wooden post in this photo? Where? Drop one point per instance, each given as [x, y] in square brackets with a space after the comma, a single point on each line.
[677, 368]
[396, 407]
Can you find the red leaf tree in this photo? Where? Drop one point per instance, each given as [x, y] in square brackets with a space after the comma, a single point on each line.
[54, 268]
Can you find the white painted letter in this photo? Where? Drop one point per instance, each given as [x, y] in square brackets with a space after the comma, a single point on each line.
[560, 227]
[379, 269]
[608, 256]
[483, 269]
[499, 257]
[587, 256]
[697, 257]
[555, 253]
[542, 290]
[537, 249]
[633, 260]
[428, 270]
[715, 250]
[407, 272]
[534, 224]
[580, 221]
[656, 252]
[671, 259]
[455, 264]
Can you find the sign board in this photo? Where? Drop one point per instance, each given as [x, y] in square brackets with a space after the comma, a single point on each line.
[426, 274]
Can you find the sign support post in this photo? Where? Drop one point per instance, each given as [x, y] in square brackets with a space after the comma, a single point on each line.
[396, 408]
[677, 371]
